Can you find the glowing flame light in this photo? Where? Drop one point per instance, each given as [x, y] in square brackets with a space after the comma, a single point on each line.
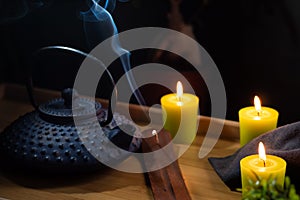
[179, 91]
[257, 105]
[154, 132]
[262, 152]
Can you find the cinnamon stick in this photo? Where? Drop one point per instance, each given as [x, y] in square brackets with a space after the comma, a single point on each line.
[167, 182]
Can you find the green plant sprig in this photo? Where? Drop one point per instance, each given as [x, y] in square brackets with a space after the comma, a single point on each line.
[263, 189]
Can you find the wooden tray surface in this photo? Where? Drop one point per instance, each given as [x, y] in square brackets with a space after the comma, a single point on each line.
[201, 180]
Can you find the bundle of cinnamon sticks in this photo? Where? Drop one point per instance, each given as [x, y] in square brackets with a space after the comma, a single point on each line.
[167, 182]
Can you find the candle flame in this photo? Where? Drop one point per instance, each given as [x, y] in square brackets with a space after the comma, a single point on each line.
[154, 132]
[262, 152]
[257, 105]
[179, 89]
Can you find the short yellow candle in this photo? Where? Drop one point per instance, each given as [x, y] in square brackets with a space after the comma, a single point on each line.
[256, 120]
[180, 113]
[262, 166]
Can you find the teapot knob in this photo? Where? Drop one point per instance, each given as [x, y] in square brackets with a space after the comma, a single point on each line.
[68, 95]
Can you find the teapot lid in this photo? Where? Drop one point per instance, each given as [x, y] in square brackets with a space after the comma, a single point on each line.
[60, 110]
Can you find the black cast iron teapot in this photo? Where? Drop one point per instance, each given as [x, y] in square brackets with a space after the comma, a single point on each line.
[48, 141]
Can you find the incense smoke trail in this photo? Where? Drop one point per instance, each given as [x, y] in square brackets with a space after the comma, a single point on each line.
[99, 25]
[12, 10]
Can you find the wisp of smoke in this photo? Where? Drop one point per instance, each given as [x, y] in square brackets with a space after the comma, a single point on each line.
[98, 26]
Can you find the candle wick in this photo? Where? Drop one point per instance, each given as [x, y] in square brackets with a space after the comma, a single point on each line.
[179, 98]
[179, 101]
[264, 163]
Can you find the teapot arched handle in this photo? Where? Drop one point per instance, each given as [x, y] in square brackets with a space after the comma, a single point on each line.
[29, 83]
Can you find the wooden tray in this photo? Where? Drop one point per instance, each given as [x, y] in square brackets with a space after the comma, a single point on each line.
[200, 178]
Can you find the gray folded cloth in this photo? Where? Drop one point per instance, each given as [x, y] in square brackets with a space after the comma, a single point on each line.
[283, 142]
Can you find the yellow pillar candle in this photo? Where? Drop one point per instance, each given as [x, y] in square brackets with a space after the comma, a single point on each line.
[262, 166]
[180, 113]
[255, 120]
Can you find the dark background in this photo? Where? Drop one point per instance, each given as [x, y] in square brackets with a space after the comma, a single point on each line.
[255, 44]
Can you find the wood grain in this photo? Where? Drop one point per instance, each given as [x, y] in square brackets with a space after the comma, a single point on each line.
[166, 182]
[201, 180]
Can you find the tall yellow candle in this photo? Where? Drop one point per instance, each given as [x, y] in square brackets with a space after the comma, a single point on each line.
[180, 113]
[262, 166]
[255, 120]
